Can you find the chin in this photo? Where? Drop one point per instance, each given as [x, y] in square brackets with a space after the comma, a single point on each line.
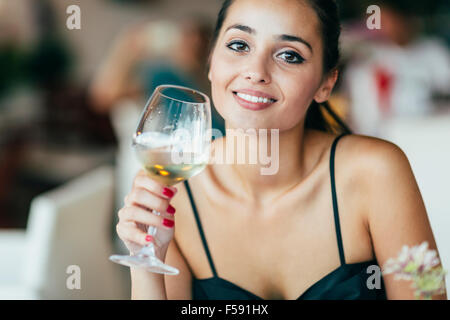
[246, 123]
[239, 119]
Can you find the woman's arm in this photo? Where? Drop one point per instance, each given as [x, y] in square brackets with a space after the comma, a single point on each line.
[154, 286]
[178, 287]
[396, 213]
[147, 285]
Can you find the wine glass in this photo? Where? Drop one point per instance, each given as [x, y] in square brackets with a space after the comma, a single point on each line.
[172, 142]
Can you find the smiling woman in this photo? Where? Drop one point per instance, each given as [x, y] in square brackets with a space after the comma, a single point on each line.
[292, 54]
[243, 235]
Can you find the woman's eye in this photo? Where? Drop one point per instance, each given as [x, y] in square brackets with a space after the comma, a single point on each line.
[291, 57]
[238, 46]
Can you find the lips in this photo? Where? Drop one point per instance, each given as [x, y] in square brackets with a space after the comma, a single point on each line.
[253, 100]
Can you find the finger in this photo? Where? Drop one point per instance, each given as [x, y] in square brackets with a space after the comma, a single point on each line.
[168, 213]
[144, 217]
[143, 181]
[140, 226]
[147, 200]
[130, 233]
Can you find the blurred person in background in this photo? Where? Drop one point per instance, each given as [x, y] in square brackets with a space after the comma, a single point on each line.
[395, 71]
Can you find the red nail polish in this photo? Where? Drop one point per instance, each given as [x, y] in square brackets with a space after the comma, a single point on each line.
[167, 192]
[170, 209]
[168, 223]
[149, 238]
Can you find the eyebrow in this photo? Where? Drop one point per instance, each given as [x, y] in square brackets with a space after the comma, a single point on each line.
[242, 28]
[283, 37]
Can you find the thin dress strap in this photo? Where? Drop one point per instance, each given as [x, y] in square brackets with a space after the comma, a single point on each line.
[335, 205]
[200, 229]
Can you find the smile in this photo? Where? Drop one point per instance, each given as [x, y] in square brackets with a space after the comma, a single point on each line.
[253, 101]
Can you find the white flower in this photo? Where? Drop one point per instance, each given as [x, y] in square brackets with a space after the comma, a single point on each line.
[420, 265]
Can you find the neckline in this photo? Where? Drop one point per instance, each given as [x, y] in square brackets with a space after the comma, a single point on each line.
[334, 202]
[310, 288]
[343, 264]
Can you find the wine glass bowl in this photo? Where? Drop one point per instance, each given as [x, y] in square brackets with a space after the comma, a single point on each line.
[172, 142]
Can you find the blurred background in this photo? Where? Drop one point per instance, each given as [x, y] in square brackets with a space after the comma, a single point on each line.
[70, 100]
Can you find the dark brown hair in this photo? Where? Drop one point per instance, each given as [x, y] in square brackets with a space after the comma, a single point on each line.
[328, 14]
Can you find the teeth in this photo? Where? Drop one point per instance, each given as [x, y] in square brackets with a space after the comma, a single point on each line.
[253, 99]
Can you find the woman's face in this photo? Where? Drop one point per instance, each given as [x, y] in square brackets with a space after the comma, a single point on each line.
[266, 67]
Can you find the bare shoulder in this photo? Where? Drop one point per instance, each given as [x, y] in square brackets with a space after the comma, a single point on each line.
[360, 157]
[367, 147]
[391, 198]
[371, 159]
[375, 173]
[375, 166]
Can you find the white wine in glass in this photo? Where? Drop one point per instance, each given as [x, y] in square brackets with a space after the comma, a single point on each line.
[157, 159]
[172, 142]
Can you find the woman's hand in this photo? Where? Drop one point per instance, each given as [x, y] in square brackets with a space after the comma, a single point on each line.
[136, 216]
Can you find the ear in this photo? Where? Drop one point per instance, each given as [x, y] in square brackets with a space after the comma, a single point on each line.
[324, 91]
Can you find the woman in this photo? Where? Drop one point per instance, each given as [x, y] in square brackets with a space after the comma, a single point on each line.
[243, 235]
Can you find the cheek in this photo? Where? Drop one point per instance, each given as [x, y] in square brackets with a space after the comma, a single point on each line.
[298, 93]
[222, 72]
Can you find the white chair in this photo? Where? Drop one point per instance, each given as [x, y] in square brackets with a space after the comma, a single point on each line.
[426, 143]
[71, 225]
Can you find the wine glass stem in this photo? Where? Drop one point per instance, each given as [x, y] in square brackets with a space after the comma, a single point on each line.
[149, 249]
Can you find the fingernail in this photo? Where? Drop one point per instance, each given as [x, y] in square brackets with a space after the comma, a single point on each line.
[167, 192]
[168, 223]
[149, 238]
[170, 209]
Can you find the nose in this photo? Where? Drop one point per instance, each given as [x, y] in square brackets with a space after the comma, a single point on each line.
[257, 71]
